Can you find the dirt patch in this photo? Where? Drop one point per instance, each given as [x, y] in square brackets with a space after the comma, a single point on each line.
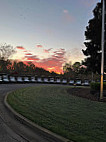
[84, 93]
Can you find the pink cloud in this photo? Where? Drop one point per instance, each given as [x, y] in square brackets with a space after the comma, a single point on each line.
[28, 54]
[25, 51]
[39, 46]
[47, 50]
[67, 17]
[65, 11]
[20, 47]
[59, 53]
[32, 58]
[52, 63]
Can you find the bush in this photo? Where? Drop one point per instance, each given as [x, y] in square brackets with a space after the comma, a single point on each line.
[96, 85]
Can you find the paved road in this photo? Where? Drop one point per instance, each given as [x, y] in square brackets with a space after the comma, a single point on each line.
[11, 129]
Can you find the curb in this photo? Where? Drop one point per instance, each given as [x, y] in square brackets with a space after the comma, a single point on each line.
[44, 132]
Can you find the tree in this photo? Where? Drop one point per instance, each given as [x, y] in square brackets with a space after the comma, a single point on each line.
[6, 51]
[76, 67]
[93, 41]
[5, 66]
[67, 67]
[71, 71]
[31, 68]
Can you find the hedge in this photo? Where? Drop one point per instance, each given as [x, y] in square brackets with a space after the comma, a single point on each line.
[96, 85]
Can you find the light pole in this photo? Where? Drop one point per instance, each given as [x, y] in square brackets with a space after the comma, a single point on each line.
[102, 45]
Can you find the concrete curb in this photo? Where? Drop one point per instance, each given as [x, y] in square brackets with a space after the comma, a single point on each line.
[35, 127]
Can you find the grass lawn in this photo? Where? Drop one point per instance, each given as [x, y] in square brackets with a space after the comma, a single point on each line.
[75, 118]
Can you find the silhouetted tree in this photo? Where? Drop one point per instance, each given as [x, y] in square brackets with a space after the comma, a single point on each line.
[76, 67]
[93, 41]
[67, 67]
[71, 71]
[6, 51]
[5, 66]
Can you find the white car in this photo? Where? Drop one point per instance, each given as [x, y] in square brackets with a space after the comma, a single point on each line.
[71, 82]
[46, 80]
[26, 79]
[64, 81]
[39, 80]
[78, 82]
[58, 80]
[33, 79]
[19, 79]
[12, 79]
[1, 79]
[52, 80]
[86, 83]
[5, 79]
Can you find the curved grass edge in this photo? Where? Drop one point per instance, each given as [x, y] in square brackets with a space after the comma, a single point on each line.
[31, 124]
[82, 100]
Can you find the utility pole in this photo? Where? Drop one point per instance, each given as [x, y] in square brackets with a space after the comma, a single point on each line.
[102, 45]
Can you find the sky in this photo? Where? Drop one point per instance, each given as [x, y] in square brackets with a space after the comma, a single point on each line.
[48, 33]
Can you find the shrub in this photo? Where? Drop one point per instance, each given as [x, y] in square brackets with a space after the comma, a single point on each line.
[96, 85]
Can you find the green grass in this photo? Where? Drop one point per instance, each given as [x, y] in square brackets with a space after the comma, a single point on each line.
[75, 118]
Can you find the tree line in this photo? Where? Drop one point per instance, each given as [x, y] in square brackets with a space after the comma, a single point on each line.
[14, 67]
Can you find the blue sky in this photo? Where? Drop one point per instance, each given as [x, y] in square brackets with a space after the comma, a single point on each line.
[46, 29]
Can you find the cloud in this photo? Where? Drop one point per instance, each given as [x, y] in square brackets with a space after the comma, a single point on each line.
[65, 11]
[20, 47]
[25, 50]
[32, 58]
[67, 17]
[59, 53]
[74, 55]
[47, 50]
[52, 63]
[28, 54]
[39, 46]
[55, 62]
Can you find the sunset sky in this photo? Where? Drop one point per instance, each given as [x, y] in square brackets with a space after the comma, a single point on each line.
[46, 32]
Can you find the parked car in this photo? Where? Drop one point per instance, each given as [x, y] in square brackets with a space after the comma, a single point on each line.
[78, 82]
[39, 80]
[12, 79]
[1, 80]
[26, 79]
[64, 81]
[45, 80]
[19, 79]
[58, 80]
[71, 82]
[5, 78]
[51, 80]
[33, 79]
[86, 82]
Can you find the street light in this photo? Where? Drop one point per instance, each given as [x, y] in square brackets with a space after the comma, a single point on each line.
[102, 45]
